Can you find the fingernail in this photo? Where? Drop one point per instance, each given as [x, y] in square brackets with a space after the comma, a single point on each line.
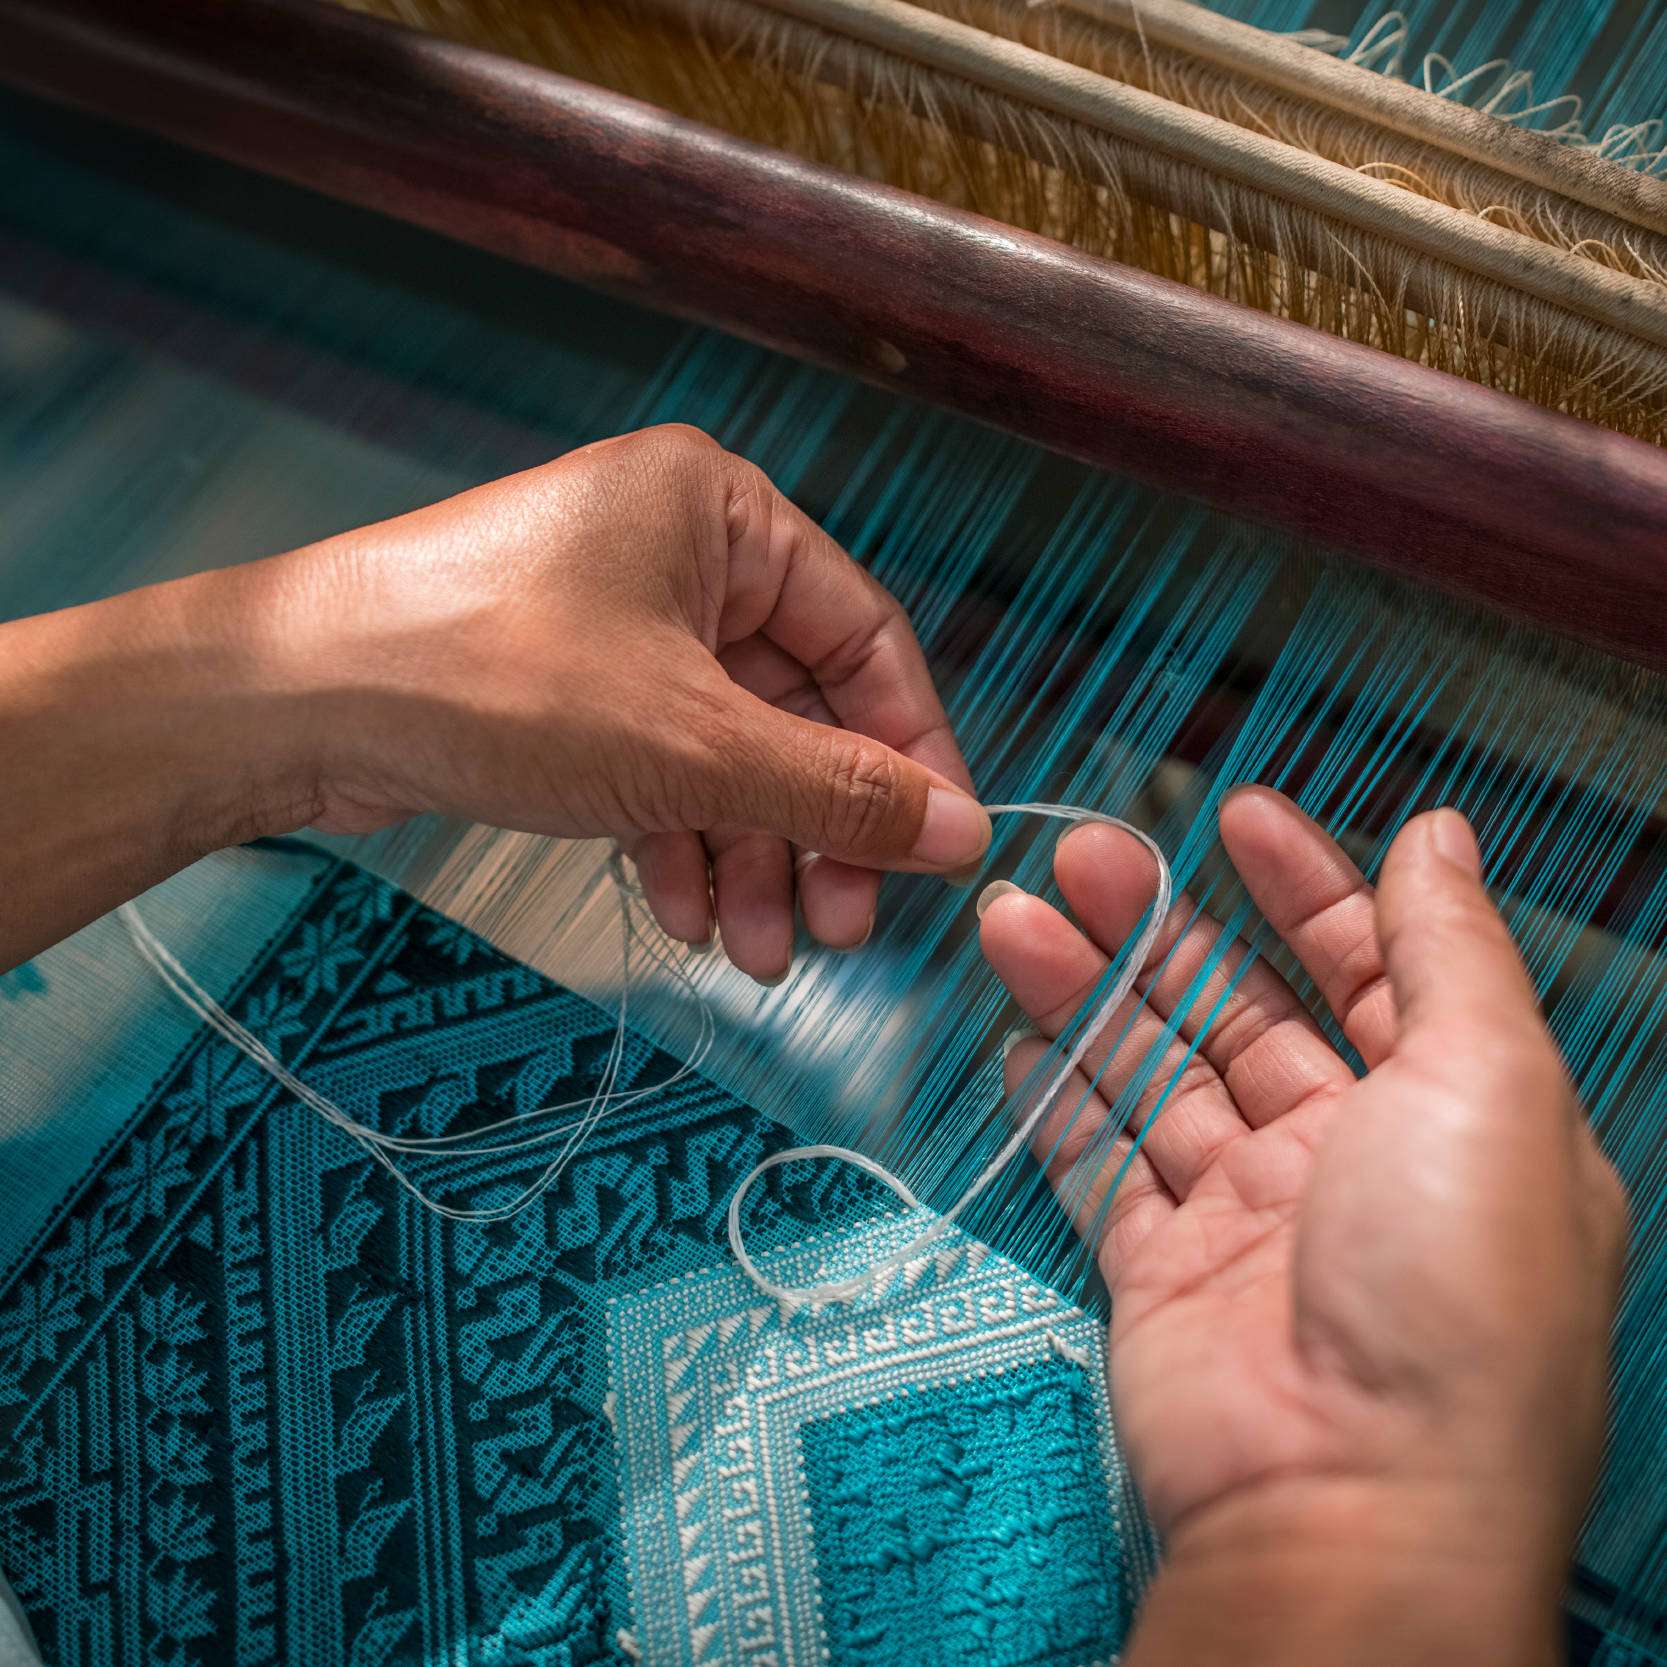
[771, 983]
[955, 831]
[867, 933]
[1451, 838]
[995, 889]
[1012, 1041]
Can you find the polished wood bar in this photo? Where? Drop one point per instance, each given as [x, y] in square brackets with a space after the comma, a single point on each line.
[1537, 515]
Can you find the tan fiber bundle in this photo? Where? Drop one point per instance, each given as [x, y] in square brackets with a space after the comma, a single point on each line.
[1165, 137]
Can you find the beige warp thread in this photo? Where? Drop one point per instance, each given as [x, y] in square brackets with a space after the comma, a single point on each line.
[1545, 296]
[1562, 192]
[1617, 300]
[1579, 173]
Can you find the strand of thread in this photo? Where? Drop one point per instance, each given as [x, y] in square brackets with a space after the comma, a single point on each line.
[606, 1097]
[384, 1147]
[845, 1290]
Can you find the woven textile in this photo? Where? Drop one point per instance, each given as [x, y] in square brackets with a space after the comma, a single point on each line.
[940, 1453]
[257, 1406]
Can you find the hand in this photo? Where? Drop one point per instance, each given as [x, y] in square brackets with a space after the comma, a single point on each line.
[642, 639]
[1359, 1326]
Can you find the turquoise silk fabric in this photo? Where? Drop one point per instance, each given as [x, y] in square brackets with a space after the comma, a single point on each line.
[260, 1406]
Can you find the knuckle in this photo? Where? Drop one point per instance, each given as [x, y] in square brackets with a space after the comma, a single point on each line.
[749, 503]
[1507, 1063]
[680, 442]
[727, 498]
[1607, 1217]
[676, 756]
[865, 790]
[1197, 1077]
[676, 452]
[1526, 1046]
[1463, 916]
[713, 781]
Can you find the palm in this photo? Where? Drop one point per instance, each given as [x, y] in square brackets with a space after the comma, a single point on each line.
[1210, 1388]
[1212, 1241]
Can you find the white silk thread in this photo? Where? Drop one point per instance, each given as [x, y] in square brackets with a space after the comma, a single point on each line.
[844, 1290]
[382, 1146]
[606, 1097]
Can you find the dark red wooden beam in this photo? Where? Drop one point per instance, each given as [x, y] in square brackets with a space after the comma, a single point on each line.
[1538, 515]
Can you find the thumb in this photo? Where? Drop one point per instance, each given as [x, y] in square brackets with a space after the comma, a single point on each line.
[839, 793]
[1452, 966]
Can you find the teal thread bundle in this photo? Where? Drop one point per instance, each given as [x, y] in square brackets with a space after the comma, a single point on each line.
[1098, 646]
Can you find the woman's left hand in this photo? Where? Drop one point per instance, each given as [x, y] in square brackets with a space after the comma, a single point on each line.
[1359, 1324]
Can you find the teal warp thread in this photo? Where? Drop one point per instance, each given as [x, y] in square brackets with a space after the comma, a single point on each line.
[1119, 619]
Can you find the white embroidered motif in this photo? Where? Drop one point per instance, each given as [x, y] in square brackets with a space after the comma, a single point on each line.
[713, 1389]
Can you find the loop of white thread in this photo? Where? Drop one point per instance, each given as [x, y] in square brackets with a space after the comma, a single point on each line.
[843, 1290]
[602, 1100]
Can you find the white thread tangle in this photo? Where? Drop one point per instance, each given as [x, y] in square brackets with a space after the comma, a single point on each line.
[382, 1147]
[606, 1097]
[844, 1290]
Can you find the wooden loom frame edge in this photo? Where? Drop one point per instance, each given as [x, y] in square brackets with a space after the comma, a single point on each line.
[1537, 515]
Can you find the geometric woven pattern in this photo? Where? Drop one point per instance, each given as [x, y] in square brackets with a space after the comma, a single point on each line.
[755, 1528]
[260, 1407]
[969, 1522]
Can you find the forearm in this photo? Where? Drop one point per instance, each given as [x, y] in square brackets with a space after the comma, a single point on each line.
[136, 735]
[1352, 1579]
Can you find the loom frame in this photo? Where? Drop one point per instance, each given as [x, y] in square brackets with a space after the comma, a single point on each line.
[1535, 514]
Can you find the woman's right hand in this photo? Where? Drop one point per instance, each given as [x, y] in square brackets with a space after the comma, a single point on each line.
[642, 639]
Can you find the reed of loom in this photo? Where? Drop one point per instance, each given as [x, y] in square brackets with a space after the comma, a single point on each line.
[1534, 512]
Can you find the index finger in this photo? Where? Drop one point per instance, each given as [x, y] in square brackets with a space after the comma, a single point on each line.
[789, 580]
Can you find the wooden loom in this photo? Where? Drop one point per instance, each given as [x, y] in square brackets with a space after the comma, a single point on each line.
[1530, 512]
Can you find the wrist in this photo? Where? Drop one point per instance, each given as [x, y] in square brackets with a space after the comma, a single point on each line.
[1357, 1571]
[185, 689]
[249, 705]
[136, 735]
